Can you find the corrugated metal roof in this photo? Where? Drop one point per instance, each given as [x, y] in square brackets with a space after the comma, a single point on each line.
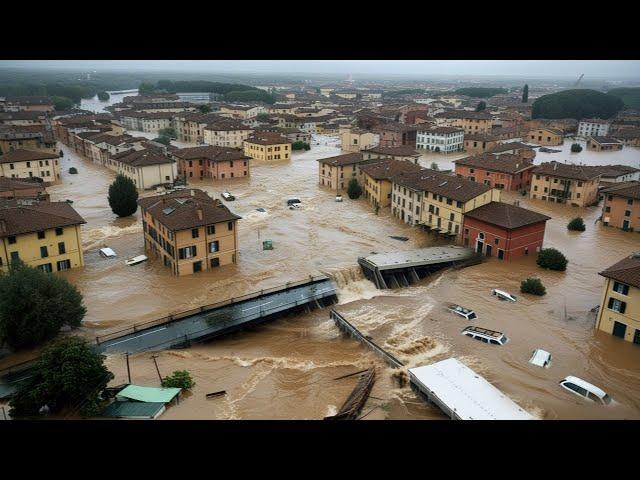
[149, 394]
[134, 409]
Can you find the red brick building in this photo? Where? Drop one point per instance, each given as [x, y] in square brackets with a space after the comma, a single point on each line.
[212, 162]
[504, 230]
[506, 171]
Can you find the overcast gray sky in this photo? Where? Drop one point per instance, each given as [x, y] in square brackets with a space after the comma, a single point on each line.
[528, 68]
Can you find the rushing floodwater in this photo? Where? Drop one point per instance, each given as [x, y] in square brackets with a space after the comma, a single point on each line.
[98, 106]
[285, 369]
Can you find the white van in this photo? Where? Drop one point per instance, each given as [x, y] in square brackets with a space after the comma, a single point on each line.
[465, 313]
[486, 336]
[502, 295]
[541, 358]
[584, 389]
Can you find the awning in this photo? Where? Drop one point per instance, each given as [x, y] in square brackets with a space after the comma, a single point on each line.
[149, 394]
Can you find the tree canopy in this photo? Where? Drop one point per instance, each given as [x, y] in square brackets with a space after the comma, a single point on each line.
[629, 96]
[481, 106]
[62, 103]
[552, 259]
[68, 374]
[123, 196]
[103, 96]
[578, 104]
[145, 88]
[525, 94]
[35, 305]
[354, 190]
[480, 92]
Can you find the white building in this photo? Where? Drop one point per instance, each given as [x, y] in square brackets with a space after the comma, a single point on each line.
[593, 127]
[441, 139]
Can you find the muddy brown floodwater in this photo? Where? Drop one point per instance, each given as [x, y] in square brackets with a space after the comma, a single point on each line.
[285, 369]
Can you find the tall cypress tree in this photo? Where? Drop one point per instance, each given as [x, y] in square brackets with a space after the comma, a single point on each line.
[123, 196]
[525, 94]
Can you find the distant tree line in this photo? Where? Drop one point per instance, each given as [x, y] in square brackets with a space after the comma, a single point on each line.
[630, 96]
[232, 92]
[480, 92]
[578, 104]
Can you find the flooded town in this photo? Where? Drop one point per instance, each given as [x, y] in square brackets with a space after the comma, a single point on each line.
[310, 249]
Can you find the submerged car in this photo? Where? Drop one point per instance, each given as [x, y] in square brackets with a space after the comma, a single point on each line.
[584, 389]
[136, 260]
[227, 196]
[502, 295]
[465, 313]
[541, 358]
[338, 198]
[485, 335]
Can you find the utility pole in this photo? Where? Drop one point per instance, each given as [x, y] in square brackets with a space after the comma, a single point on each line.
[128, 369]
[157, 369]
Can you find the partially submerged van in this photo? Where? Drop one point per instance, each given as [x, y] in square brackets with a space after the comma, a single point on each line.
[541, 358]
[465, 313]
[502, 295]
[485, 335]
[584, 389]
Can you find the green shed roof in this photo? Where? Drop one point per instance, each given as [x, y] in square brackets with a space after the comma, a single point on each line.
[133, 409]
[149, 394]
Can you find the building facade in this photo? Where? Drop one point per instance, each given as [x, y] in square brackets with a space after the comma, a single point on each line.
[30, 164]
[603, 144]
[356, 140]
[267, 147]
[505, 172]
[621, 207]
[441, 139]
[376, 179]
[545, 136]
[212, 163]
[593, 127]
[565, 183]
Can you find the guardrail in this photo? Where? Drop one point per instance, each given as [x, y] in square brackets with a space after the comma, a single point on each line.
[188, 313]
[224, 325]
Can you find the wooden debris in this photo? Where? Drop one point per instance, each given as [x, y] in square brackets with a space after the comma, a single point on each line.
[216, 394]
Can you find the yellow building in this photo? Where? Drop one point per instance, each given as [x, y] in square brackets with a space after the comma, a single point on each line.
[267, 146]
[376, 178]
[226, 134]
[437, 200]
[336, 172]
[41, 234]
[355, 140]
[23, 163]
[469, 121]
[545, 136]
[619, 312]
[190, 231]
[565, 183]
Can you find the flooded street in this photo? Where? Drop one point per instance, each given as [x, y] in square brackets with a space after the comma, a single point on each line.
[285, 369]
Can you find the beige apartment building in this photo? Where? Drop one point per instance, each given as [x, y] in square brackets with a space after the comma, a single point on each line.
[376, 179]
[336, 172]
[267, 146]
[437, 200]
[565, 183]
[545, 136]
[469, 121]
[189, 231]
[356, 140]
[23, 163]
[621, 207]
[619, 312]
[226, 134]
[242, 111]
[147, 168]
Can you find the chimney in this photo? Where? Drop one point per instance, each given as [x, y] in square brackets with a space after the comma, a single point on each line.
[199, 212]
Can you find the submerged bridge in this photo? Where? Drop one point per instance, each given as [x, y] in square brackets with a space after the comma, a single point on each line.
[400, 269]
[203, 323]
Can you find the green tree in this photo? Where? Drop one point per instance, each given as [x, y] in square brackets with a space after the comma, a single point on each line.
[35, 305]
[103, 96]
[179, 379]
[204, 108]
[163, 140]
[68, 374]
[354, 190]
[263, 117]
[577, 224]
[481, 106]
[123, 196]
[533, 286]
[525, 94]
[300, 145]
[145, 88]
[168, 132]
[434, 166]
[578, 104]
[73, 170]
[576, 147]
[552, 259]
[62, 103]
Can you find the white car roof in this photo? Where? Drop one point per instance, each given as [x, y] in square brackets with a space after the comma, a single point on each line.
[108, 252]
[539, 357]
[586, 385]
[502, 292]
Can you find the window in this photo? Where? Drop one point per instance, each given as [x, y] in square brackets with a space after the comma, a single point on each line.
[59, 231]
[617, 305]
[15, 256]
[214, 246]
[576, 388]
[61, 248]
[195, 233]
[43, 252]
[230, 226]
[211, 229]
[64, 265]
[40, 235]
[215, 262]
[12, 239]
[621, 288]
[627, 213]
[187, 252]
[45, 267]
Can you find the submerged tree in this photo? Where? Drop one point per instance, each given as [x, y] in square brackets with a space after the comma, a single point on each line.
[552, 259]
[354, 189]
[577, 224]
[533, 286]
[123, 196]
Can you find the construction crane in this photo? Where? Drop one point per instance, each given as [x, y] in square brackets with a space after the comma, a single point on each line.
[579, 79]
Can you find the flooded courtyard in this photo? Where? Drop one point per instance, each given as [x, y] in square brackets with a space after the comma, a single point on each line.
[286, 368]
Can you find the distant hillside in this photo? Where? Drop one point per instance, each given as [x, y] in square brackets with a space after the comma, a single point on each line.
[480, 92]
[231, 91]
[630, 96]
[578, 104]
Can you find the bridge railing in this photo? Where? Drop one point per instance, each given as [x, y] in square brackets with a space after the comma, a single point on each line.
[188, 313]
[222, 324]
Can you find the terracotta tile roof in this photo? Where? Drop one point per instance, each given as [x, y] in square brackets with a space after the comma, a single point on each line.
[267, 138]
[626, 270]
[179, 210]
[210, 152]
[16, 219]
[228, 125]
[624, 189]
[385, 169]
[344, 159]
[142, 158]
[505, 147]
[615, 170]
[506, 163]
[9, 184]
[566, 170]
[22, 155]
[480, 137]
[400, 151]
[456, 188]
[505, 215]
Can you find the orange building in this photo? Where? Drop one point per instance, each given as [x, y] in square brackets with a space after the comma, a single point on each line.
[621, 207]
[215, 163]
[504, 172]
